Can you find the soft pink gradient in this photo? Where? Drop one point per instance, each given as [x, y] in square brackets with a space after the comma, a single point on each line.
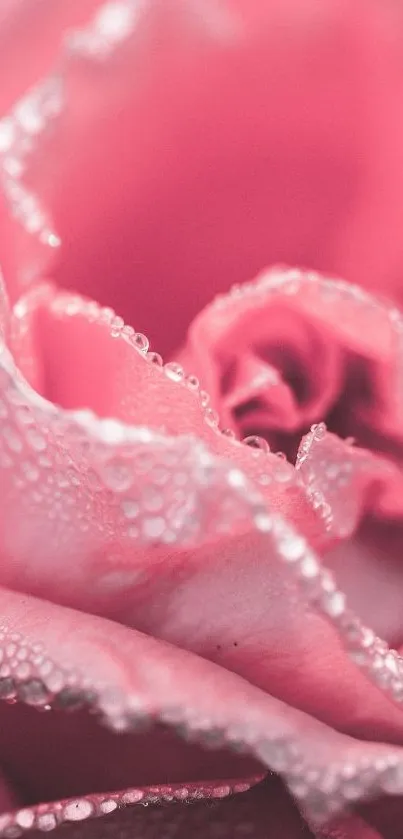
[216, 139]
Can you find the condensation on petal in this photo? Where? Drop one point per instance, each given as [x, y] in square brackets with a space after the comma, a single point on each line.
[127, 676]
[346, 318]
[82, 489]
[87, 64]
[345, 482]
[95, 487]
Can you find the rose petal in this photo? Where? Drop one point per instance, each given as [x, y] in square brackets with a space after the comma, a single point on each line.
[265, 811]
[304, 329]
[129, 674]
[86, 483]
[345, 482]
[99, 472]
[4, 311]
[359, 496]
[30, 39]
[96, 507]
[262, 177]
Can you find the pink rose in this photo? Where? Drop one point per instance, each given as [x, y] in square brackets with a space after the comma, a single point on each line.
[184, 595]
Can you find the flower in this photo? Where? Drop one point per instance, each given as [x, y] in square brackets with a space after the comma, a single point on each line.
[200, 558]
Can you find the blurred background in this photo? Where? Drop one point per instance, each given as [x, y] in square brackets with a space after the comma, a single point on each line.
[198, 141]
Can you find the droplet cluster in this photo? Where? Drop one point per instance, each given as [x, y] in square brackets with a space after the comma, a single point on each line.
[31, 118]
[323, 789]
[74, 480]
[382, 665]
[329, 468]
[19, 132]
[151, 812]
[29, 675]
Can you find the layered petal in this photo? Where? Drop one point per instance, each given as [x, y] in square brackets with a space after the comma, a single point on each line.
[127, 677]
[311, 339]
[139, 522]
[86, 487]
[265, 811]
[292, 348]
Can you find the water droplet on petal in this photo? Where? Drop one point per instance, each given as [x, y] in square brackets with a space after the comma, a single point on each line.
[228, 432]
[153, 528]
[35, 440]
[174, 371]
[46, 822]
[130, 508]
[319, 430]
[257, 443]
[117, 476]
[77, 810]
[141, 342]
[155, 358]
[211, 417]
[33, 692]
[193, 382]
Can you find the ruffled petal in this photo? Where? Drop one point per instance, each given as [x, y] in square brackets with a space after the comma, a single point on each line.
[265, 811]
[88, 488]
[128, 512]
[195, 191]
[126, 677]
[345, 482]
[276, 354]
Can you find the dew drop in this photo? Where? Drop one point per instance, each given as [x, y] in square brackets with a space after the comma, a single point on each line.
[154, 527]
[35, 440]
[116, 326]
[69, 699]
[257, 443]
[7, 688]
[117, 476]
[25, 819]
[46, 822]
[293, 548]
[263, 522]
[31, 472]
[132, 796]
[141, 342]
[108, 806]
[174, 371]
[309, 567]
[153, 500]
[319, 430]
[7, 133]
[130, 508]
[78, 810]
[155, 358]
[229, 433]
[211, 417]
[12, 439]
[33, 692]
[193, 382]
